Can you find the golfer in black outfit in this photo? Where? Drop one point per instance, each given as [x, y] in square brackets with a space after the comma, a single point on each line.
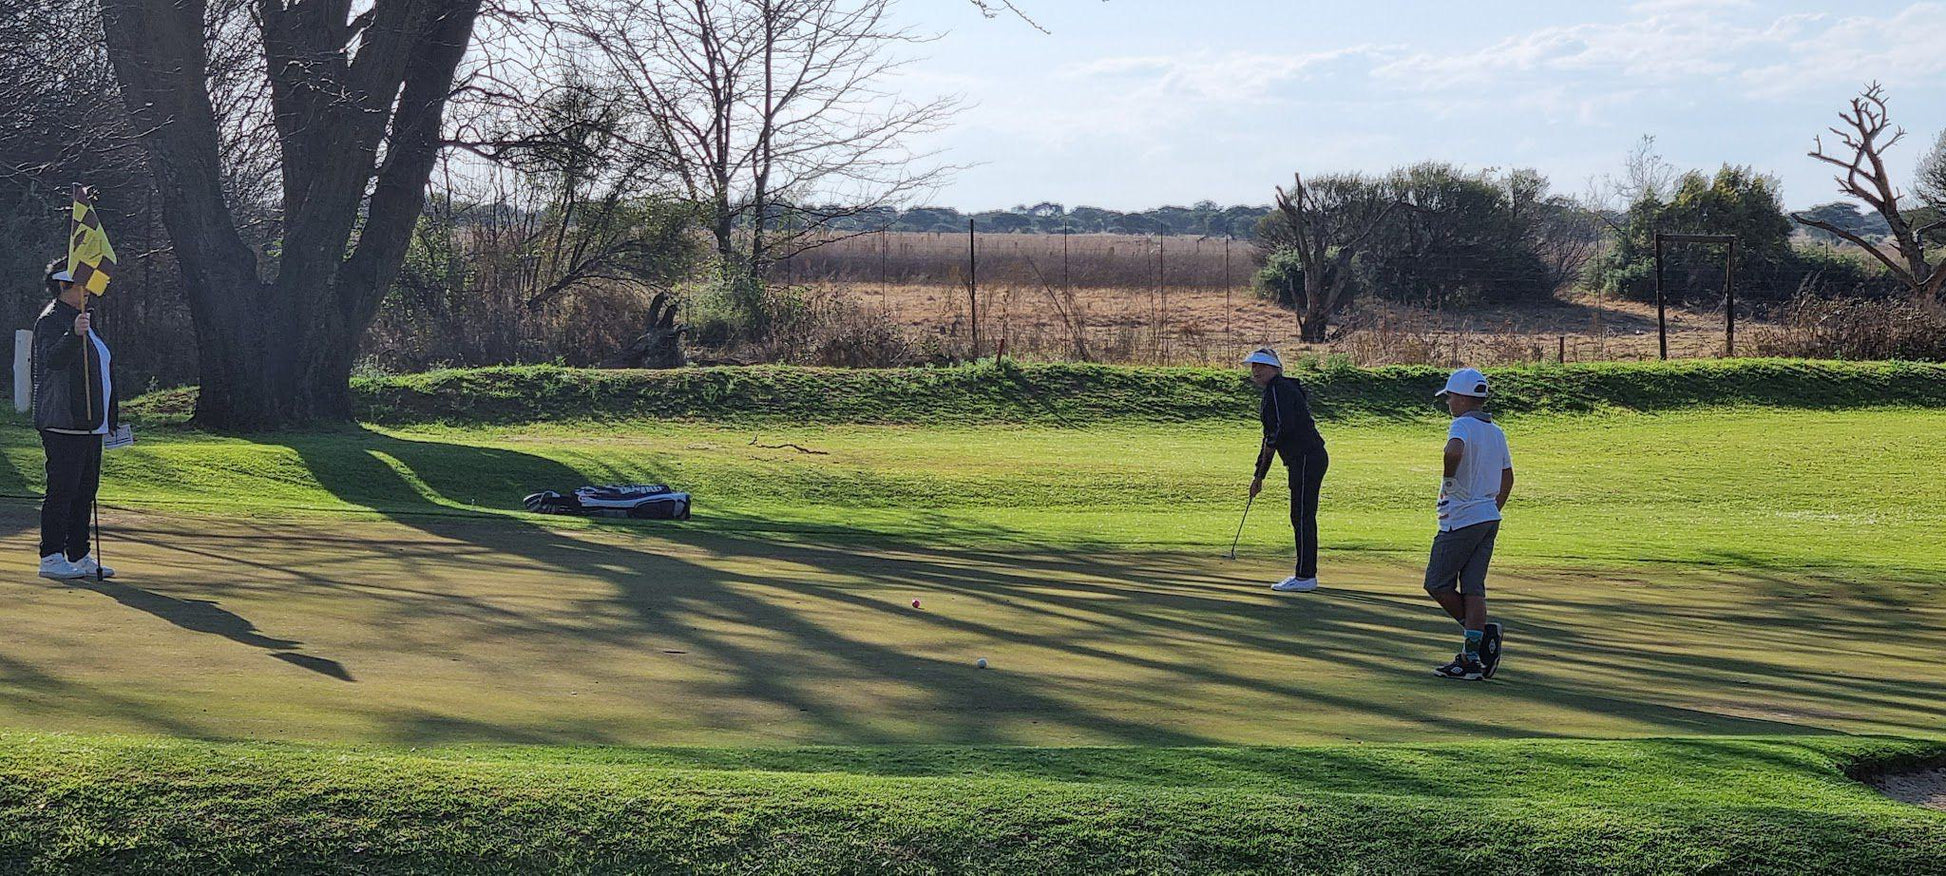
[74, 408]
[1291, 433]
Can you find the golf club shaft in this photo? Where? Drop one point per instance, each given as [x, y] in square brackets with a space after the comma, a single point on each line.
[1239, 536]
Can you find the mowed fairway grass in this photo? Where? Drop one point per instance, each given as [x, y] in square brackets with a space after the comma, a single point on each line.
[323, 645]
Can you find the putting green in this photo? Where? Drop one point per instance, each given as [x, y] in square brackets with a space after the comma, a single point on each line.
[427, 629]
[1746, 601]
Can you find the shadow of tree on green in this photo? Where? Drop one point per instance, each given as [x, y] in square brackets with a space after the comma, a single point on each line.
[435, 487]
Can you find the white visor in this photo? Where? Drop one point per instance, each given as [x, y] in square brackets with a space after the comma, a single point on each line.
[1265, 356]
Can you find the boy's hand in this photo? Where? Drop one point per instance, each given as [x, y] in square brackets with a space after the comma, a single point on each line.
[1256, 486]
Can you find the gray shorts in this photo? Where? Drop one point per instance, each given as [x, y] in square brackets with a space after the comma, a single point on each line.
[1460, 558]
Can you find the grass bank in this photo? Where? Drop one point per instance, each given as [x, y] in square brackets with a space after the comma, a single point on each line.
[1749, 806]
[1074, 395]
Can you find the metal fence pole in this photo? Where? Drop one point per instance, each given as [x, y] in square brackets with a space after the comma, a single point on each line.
[1229, 310]
[1730, 302]
[973, 285]
[1661, 310]
[1162, 306]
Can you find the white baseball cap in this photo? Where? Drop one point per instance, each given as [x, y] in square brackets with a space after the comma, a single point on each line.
[1466, 381]
[1264, 356]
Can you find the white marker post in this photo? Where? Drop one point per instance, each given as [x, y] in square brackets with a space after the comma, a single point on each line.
[23, 370]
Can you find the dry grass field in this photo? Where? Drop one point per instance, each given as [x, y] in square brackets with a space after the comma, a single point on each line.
[1111, 298]
[1204, 326]
[1082, 261]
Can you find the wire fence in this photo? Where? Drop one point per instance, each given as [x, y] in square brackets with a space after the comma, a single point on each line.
[1167, 299]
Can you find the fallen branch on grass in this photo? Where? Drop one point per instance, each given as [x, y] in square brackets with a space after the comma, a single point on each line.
[787, 446]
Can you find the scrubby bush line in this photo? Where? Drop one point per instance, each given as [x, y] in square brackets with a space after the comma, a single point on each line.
[1073, 395]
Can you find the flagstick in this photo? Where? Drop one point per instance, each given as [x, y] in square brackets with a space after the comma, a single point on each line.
[88, 400]
[82, 196]
[94, 502]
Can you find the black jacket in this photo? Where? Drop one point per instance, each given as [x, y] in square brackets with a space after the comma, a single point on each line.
[1286, 414]
[62, 397]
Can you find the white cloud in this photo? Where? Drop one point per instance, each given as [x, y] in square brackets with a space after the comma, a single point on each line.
[1694, 43]
[1228, 77]
[1719, 80]
[1901, 49]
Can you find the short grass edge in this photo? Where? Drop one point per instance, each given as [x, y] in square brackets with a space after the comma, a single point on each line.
[1746, 805]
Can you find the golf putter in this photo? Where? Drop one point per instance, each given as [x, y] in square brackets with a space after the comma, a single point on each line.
[1239, 536]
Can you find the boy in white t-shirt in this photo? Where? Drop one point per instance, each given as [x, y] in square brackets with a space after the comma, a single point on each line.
[1479, 476]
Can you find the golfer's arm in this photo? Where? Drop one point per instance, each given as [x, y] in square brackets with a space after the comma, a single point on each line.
[1455, 449]
[1506, 488]
[54, 346]
[1263, 459]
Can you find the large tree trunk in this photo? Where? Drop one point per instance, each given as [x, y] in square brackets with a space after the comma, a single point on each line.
[1315, 307]
[1311, 324]
[1312, 317]
[359, 133]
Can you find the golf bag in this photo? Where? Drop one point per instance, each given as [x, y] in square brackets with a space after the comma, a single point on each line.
[636, 501]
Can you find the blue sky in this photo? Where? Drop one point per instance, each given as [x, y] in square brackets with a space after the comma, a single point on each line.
[1138, 103]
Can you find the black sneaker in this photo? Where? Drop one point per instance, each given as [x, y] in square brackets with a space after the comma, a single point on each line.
[1461, 669]
[1490, 651]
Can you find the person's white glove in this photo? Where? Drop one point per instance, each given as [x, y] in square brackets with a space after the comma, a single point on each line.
[1447, 487]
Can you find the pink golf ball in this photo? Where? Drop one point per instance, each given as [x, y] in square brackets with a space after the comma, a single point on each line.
[915, 603]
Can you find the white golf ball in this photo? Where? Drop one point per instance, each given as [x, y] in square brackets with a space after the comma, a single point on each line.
[982, 663]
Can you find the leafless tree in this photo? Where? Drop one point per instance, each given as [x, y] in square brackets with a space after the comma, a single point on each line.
[247, 135]
[357, 98]
[765, 108]
[1864, 176]
[55, 86]
[1931, 185]
[1568, 236]
[1645, 174]
[1327, 222]
[64, 124]
[997, 8]
[317, 124]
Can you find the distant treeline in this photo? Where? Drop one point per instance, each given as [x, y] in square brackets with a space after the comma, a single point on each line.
[1204, 218]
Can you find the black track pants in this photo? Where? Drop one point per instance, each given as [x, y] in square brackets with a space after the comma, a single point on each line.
[1307, 477]
[73, 475]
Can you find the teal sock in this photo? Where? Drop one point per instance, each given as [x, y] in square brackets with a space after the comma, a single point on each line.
[1473, 638]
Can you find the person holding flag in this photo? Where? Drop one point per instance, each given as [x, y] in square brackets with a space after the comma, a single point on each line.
[75, 402]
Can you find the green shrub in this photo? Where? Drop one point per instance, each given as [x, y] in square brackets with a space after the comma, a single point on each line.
[1281, 279]
[1069, 394]
[992, 392]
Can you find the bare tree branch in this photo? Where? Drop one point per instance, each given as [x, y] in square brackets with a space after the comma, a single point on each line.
[764, 106]
[1866, 178]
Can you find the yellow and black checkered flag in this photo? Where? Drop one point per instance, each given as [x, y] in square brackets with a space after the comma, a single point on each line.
[91, 259]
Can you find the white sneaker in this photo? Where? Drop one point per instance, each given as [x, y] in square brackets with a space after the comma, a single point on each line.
[87, 567]
[56, 567]
[1294, 584]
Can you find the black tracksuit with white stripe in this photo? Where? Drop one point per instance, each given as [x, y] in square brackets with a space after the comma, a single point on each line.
[1288, 427]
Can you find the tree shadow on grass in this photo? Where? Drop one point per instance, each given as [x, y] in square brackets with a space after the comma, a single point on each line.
[660, 595]
[16, 487]
[206, 616]
[33, 691]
